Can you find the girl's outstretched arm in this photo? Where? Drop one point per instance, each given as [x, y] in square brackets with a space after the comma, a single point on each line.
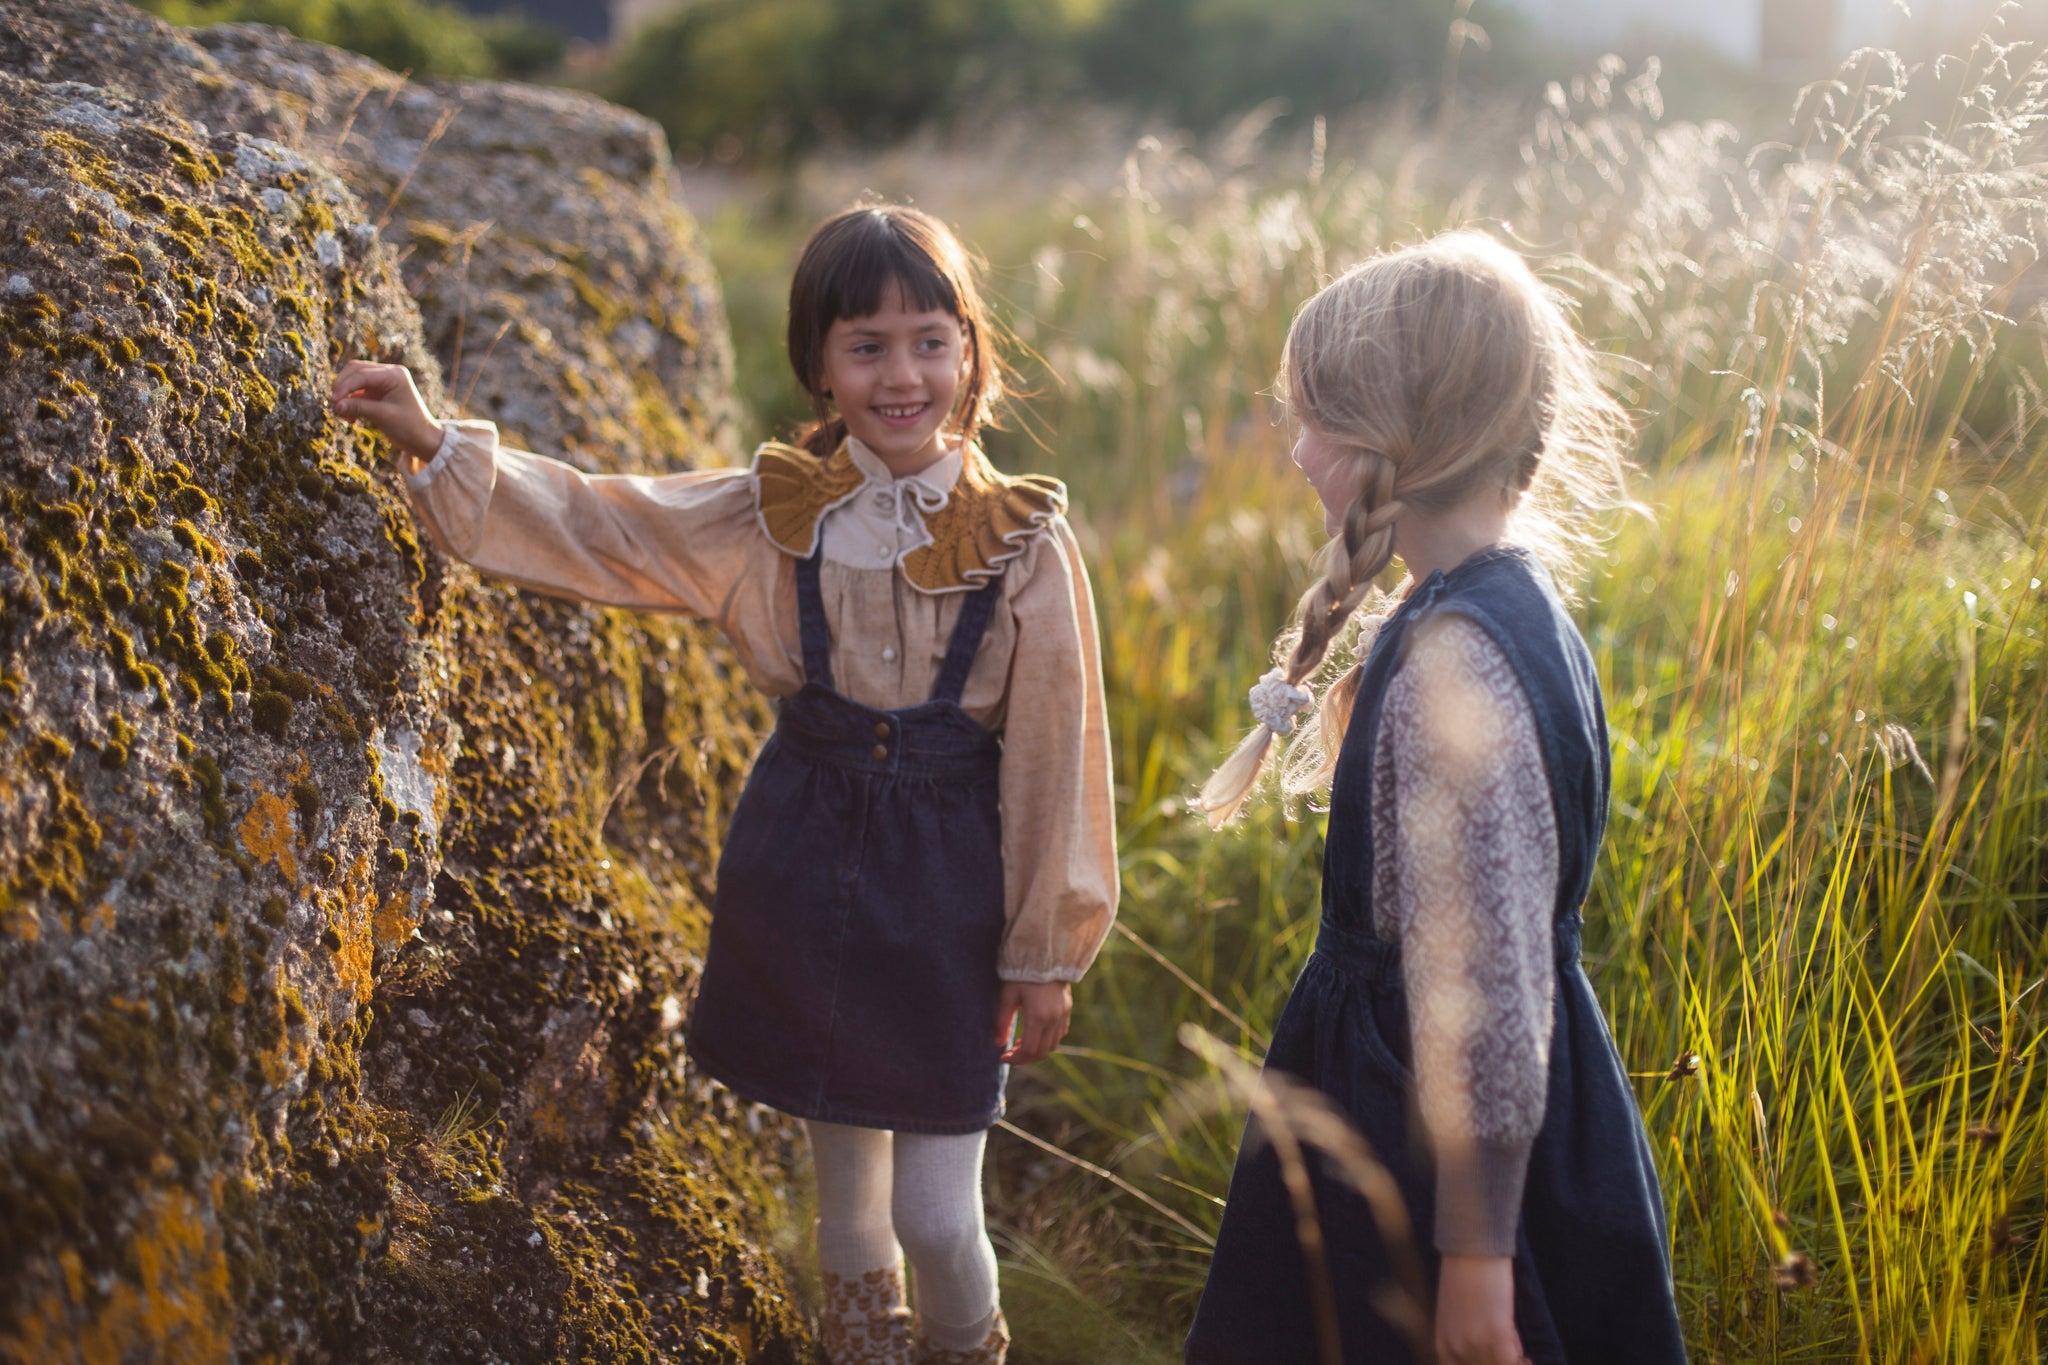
[676, 542]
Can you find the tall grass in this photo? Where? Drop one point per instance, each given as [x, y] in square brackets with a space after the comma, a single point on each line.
[1818, 924]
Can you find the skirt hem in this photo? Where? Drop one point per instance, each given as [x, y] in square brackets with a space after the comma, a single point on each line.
[824, 1113]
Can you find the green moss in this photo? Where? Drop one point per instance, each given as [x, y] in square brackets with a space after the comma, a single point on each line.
[82, 347]
[306, 798]
[59, 859]
[213, 803]
[259, 395]
[121, 739]
[293, 684]
[271, 713]
[189, 536]
[49, 751]
[191, 500]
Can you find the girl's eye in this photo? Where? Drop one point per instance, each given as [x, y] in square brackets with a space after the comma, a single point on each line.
[933, 345]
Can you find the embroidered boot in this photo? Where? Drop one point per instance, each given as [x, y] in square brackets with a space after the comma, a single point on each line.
[992, 1350]
[867, 1318]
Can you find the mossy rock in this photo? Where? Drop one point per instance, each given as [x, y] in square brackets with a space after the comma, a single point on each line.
[349, 906]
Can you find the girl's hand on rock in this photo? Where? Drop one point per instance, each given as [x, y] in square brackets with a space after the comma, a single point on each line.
[384, 397]
[1040, 1010]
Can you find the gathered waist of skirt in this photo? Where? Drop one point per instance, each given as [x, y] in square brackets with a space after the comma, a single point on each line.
[886, 746]
[1371, 960]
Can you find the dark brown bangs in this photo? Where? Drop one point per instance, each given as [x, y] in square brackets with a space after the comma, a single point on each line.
[874, 257]
[847, 269]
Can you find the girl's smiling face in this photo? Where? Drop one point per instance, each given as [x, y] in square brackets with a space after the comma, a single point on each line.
[894, 375]
[1329, 467]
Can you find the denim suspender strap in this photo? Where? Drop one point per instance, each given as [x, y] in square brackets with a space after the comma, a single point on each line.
[810, 619]
[967, 633]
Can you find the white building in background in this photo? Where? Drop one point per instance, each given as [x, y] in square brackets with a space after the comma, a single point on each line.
[1793, 35]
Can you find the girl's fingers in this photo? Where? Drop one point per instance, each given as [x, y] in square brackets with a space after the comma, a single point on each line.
[367, 377]
[1006, 1015]
[1048, 1038]
[1040, 1037]
[352, 379]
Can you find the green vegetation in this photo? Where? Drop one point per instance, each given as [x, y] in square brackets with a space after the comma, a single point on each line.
[1820, 921]
[771, 79]
[421, 36]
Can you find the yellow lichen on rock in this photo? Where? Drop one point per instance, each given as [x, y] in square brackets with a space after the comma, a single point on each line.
[395, 920]
[355, 950]
[175, 1310]
[267, 834]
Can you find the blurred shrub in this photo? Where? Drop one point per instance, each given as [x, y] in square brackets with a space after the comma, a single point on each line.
[769, 79]
[406, 35]
[781, 76]
[1200, 61]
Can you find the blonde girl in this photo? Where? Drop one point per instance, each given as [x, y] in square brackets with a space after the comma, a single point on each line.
[924, 859]
[1448, 415]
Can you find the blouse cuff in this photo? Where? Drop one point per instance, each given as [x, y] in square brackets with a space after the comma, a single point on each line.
[1041, 975]
[451, 439]
[1479, 1196]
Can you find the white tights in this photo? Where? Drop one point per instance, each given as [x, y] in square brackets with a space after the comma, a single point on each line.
[878, 1189]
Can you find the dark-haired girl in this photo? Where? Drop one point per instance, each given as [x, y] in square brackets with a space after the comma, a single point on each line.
[923, 860]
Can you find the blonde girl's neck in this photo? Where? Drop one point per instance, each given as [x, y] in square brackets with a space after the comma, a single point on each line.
[1428, 542]
[1472, 412]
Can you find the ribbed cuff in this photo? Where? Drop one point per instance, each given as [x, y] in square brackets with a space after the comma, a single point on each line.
[1041, 975]
[1479, 1196]
[451, 436]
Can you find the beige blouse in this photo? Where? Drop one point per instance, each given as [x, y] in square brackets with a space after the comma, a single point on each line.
[699, 543]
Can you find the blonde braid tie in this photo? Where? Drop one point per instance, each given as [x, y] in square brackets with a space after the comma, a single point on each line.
[1276, 700]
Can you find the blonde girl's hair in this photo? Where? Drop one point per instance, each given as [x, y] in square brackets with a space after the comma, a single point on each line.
[1447, 371]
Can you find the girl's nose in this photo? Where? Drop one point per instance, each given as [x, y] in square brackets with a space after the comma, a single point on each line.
[900, 372]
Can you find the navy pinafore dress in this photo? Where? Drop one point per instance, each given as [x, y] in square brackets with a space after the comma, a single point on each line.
[1592, 1272]
[851, 976]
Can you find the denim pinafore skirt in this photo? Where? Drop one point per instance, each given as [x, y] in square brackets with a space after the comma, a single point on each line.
[1591, 1267]
[851, 976]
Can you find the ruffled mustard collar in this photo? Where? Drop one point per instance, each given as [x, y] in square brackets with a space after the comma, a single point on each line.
[984, 520]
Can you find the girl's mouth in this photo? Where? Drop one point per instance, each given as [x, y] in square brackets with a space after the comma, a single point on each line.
[900, 414]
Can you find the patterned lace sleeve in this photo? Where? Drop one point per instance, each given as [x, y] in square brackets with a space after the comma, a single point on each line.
[1462, 803]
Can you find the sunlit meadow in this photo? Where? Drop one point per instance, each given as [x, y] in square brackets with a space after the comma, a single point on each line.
[1818, 926]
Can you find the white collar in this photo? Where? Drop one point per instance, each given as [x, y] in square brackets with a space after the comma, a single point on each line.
[937, 477]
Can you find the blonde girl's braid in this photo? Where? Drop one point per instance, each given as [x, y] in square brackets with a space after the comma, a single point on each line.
[1355, 559]
[1447, 371]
